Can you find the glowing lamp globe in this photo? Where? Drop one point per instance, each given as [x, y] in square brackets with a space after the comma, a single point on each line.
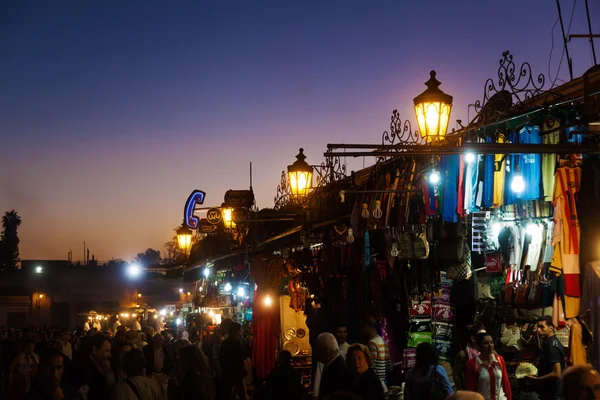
[432, 108]
[227, 215]
[518, 184]
[300, 176]
[184, 238]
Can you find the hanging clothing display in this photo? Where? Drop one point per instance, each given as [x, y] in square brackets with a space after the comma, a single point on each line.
[530, 164]
[589, 301]
[549, 160]
[449, 168]
[499, 175]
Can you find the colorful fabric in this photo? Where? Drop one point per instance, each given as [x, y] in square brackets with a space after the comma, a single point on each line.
[381, 356]
[531, 164]
[566, 187]
[549, 160]
[450, 167]
[499, 174]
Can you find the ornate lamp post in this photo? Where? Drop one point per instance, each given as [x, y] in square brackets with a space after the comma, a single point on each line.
[300, 177]
[432, 108]
[184, 238]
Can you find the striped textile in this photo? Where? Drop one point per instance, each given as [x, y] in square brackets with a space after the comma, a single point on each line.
[380, 352]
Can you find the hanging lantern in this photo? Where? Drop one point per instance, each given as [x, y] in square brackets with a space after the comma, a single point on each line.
[365, 210]
[432, 108]
[377, 213]
[184, 238]
[350, 237]
[300, 176]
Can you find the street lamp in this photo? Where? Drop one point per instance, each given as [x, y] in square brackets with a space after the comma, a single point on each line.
[184, 238]
[227, 215]
[300, 176]
[432, 108]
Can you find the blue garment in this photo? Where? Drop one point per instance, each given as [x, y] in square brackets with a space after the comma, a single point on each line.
[531, 164]
[471, 185]
[418, 385]
[575, 137]
[449, 168]
[488, 181]
[510, 197]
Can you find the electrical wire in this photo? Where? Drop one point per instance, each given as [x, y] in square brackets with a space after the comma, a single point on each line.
[565, 48]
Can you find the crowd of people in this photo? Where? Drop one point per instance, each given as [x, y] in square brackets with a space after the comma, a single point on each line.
[125, 364]
[131, 364]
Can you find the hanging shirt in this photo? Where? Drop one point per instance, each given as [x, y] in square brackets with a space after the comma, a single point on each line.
[535, 248]
[530, 164]
[471, 185]
[566, 187]
[549, 160]
[517, 249]
[460, 207]
[548, 247]
[449, 167]
[488, 180]
[499, 172]
[511, 162]
[572, 136]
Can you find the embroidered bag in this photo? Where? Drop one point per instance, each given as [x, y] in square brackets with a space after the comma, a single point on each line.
[420, 309]
[420, 325]
[496, 283]
[444, 347]
[409, 357]
[414, 246]
[443, 312]
[443, 330]
[415, 339]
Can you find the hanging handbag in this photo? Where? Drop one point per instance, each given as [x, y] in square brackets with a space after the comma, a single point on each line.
[444, 347]
[443, 312]
[443, 330]
[484, 290]
[460, 271]
[420, 309]
[419, 325]
[564, 336]
[415, 339]
[413, 246]
[493, 263]
[496, 283]
[511, 336]
[409, 358]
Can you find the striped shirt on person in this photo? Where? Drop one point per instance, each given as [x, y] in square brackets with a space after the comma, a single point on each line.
[381, 355]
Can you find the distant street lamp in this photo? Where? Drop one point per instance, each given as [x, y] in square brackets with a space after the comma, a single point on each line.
[38, 270]
[184, 238]
[432, 108]
[227, 215]
[300, 175]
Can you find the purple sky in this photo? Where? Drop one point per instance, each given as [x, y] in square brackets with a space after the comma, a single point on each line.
[111, 112]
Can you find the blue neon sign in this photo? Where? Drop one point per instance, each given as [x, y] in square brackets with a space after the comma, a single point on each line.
[197, 197]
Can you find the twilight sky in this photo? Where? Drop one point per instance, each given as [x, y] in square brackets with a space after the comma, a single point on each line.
[112, 112]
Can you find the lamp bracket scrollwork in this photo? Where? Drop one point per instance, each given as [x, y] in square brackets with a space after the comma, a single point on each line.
[513, 88]
[283, 195]
[400, 132]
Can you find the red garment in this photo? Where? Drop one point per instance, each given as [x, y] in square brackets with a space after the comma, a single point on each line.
[460, 208]
[472, 377]
[265, 328]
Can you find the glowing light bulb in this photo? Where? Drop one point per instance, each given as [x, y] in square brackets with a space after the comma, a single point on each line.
[518, 184]
[241, 292]
[469, 157]
[268, 301]
[434, 177]
[227, 287]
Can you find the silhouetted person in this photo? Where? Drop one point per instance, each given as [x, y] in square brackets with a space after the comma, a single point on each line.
[284, 382]
[581, 382]
[197, 382]
[336, 375]
[48, 383]
[231, 357]
[137, 386]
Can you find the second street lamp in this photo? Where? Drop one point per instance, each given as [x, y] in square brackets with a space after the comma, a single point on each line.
[432, 108]
[184, 238]
[300, 177]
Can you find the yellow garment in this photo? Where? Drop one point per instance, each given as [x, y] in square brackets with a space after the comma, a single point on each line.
[549, 160]
[556, 264]
[572, 306]
[499, 175]
[577, 353]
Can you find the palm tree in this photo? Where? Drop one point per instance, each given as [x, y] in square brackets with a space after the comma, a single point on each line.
[9, 249]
